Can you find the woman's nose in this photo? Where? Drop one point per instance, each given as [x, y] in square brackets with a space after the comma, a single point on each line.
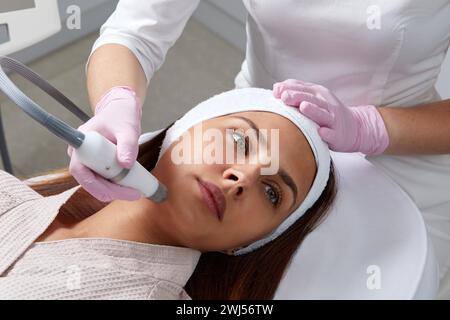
[240, 179]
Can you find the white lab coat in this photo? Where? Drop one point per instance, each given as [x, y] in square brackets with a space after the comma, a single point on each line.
[378, 52]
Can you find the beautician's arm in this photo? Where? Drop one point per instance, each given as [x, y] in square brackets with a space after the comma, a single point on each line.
[133, 44]
[423, 129]
[114, 65]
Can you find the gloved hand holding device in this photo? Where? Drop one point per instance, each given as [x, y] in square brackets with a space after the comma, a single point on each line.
[117, 117]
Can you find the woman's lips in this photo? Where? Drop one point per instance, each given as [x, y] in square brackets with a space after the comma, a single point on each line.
[213, 197]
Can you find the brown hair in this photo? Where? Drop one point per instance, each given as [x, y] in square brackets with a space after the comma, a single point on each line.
[255, 275]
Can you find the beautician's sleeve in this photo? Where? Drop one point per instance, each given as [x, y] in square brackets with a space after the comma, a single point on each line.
[149, 28]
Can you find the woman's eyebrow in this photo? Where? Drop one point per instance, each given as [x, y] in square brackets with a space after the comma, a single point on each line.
[253, 126]
[287, 179]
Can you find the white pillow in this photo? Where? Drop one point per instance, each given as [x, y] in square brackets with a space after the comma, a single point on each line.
[373, 245]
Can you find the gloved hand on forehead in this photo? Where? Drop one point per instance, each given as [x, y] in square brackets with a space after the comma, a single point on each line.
[344, 128]
[117, 117]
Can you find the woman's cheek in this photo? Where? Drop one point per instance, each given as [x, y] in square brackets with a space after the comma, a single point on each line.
[254, 219]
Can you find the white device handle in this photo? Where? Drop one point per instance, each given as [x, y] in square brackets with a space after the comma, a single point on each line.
[99, 154]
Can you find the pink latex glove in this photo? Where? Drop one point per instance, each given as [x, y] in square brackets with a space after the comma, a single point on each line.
[344, 128]
[117, 116]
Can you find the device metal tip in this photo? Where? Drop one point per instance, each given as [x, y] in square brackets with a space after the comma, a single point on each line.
[160, 195]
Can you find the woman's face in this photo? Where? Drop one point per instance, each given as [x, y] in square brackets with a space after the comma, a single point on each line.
[248, 205]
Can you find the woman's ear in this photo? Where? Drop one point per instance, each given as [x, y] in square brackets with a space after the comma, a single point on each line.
[231, 252]
[228, 252]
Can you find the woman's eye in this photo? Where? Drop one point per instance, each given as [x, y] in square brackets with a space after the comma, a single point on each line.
[241, 141]
[273, 194]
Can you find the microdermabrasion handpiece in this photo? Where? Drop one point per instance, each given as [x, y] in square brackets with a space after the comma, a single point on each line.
[99, 154]
[92, 149]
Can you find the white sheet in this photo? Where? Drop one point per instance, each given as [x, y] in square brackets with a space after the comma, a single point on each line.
[373, 230]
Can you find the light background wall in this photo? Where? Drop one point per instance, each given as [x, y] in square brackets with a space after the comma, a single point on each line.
[225, 18]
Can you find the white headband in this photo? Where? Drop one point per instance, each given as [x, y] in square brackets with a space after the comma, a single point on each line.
[255, 99]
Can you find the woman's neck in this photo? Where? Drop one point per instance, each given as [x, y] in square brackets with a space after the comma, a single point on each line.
[126, 220]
